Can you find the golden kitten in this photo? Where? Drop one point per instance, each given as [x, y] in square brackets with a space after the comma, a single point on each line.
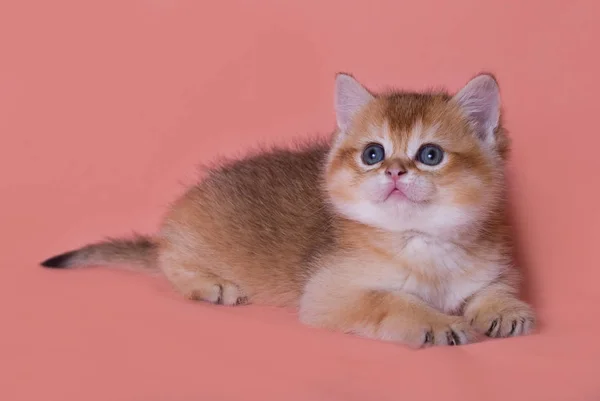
[394, 230]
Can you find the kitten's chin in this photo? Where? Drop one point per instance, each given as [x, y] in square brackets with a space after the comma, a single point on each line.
[398, 214]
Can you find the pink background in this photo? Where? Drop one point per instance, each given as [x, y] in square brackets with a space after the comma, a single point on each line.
[106, 108]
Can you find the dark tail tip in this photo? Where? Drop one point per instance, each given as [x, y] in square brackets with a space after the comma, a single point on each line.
[59, 261]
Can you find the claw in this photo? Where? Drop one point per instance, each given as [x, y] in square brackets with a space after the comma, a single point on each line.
[220, 298]
[492, 327]
[452, 338]
[428, 338]
[513, 328]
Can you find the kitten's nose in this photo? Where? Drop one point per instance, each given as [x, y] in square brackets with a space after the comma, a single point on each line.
[394, 171]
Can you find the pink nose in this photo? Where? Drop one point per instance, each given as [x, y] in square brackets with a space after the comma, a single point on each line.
[394, 172]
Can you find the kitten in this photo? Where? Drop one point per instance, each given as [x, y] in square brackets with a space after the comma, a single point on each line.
[393, 230]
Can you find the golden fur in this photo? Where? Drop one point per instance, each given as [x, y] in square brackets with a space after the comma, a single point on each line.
[318, 229]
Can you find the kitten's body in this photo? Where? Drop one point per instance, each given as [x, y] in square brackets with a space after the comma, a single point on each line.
[314, 228]
[256, 224]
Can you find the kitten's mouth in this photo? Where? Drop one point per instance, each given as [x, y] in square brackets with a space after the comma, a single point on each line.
[396, 194]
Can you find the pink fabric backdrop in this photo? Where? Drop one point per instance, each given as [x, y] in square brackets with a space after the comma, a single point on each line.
[106, 107]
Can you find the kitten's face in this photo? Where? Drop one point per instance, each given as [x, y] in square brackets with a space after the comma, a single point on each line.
[414, 162]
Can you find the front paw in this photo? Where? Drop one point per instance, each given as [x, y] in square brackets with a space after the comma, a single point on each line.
[431, 328]
[450, 330]
[502, 318]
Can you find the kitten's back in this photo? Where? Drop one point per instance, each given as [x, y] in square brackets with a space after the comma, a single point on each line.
[256, 222]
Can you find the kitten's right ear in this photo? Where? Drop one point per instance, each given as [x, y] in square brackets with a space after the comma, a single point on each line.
[350, 98]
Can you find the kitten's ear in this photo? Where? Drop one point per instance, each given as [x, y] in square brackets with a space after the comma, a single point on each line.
[350, 97]
[480, 101]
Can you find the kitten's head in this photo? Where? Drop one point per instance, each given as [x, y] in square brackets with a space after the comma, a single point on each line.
[428, 162]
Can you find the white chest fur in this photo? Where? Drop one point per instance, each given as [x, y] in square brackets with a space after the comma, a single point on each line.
[441, 273]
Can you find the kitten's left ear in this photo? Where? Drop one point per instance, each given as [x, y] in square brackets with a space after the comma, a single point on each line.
[350, 98]
[480, 101]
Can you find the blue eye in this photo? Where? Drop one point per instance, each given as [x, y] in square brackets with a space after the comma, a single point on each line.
[373, 154]
[430, 154]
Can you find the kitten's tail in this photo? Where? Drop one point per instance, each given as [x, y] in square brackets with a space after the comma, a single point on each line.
[139, 251]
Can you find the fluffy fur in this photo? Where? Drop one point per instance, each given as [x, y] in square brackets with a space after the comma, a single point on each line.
[397, 250]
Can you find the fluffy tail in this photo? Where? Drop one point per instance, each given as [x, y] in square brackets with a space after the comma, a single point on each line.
[140, 251]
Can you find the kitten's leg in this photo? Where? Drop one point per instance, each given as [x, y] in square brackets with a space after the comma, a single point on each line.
[382, 315]
[497, 312]
[200, 285]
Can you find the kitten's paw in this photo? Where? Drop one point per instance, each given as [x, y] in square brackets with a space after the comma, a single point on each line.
[507, 318]
[451, 330]
[231, 295]
[221, 293]
[439, 330]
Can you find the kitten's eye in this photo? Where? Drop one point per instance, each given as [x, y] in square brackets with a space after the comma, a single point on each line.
[431, 155]
[373, 154]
